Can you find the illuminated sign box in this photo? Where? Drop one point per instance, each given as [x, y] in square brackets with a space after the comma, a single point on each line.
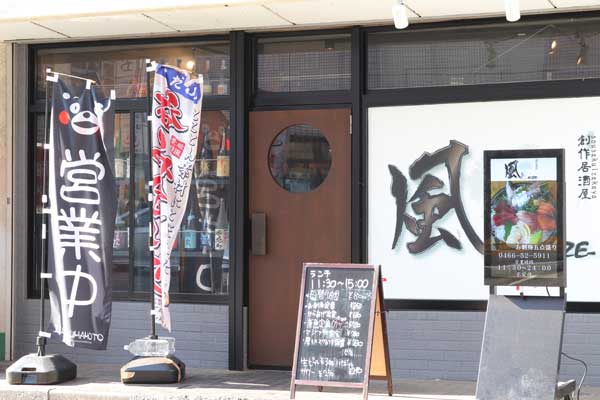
[524, 218]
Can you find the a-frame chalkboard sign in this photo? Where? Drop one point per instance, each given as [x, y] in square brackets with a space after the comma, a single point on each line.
[341, 335]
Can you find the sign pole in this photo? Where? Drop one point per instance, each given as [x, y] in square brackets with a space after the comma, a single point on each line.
[42, 339]
[150, 198]
[154, 361]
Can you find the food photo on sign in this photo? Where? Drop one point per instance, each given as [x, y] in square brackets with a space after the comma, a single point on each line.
[523, 217]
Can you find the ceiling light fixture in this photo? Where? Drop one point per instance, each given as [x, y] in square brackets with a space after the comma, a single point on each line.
[513, 11]
[582, 54]
[582, 49]
[400, 14]
[553, 46]
[190, 65]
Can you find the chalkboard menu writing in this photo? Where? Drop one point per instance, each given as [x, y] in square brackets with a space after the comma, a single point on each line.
[335, 325]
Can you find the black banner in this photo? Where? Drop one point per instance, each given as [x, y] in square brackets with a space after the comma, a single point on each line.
[82, 204]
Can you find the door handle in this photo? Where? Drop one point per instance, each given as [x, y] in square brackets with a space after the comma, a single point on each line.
[258, 222]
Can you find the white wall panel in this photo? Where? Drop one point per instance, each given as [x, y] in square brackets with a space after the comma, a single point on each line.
[399, 135]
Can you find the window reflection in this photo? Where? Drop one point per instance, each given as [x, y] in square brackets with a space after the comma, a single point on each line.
[301, 64]
[474, 56]
[124, 69]
[120, 271]
[300, 158]
[200, 257]
[39, 139]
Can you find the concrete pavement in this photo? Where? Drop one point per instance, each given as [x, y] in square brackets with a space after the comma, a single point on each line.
[101, 382]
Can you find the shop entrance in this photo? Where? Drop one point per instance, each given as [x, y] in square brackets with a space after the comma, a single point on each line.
[300, 202]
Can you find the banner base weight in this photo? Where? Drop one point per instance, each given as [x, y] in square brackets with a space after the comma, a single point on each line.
[153, 370]
[41, 370]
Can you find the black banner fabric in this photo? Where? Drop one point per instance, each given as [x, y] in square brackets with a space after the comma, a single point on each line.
[82, 203]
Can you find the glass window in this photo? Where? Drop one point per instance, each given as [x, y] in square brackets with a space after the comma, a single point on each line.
[124, 68]
[304, 64]
[38, 139]
[300, 158]
[120, 272]
[200, 257]
[484, 55]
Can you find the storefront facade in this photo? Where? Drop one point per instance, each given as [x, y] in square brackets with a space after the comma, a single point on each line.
[318, 124]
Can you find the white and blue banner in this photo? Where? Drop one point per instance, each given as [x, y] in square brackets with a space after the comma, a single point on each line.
[176, 112]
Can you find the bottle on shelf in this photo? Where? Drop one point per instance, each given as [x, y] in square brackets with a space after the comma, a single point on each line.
[207, 87]
[206, 232]
[222, 228]
[222, 86]
[205, 154]
[189, 232]
[119, 168]
[223, 156]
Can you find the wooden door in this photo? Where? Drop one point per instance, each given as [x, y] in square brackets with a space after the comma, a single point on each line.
[304, 192]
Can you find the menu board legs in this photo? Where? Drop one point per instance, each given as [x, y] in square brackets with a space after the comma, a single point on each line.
[341, 335]
[380, 356]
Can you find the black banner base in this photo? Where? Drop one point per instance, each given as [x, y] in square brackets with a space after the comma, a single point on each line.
[41, 370]
[153, 370]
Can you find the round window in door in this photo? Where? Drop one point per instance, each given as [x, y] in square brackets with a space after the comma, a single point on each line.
[300, 158]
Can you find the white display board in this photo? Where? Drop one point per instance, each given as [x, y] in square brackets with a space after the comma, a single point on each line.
[435, 257]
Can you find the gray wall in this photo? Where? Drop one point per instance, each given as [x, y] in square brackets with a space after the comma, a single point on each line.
[201, 333]
[446, 345]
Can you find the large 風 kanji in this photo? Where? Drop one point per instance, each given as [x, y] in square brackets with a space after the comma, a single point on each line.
[431, 207]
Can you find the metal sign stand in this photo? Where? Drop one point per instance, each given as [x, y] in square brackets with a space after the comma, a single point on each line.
[41, 368]
[155, 362]
[522, 340]
[518, 358]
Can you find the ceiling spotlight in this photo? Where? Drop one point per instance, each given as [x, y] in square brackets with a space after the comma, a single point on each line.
[553, 47]
[190, 64]
[581, 55]
[329, 45]
[582, 50]
[400, 14]
[513, 11]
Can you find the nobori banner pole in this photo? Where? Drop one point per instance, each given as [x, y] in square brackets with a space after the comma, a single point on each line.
[88, 82]
[42, 335]
[154, 361]
[150, 67]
